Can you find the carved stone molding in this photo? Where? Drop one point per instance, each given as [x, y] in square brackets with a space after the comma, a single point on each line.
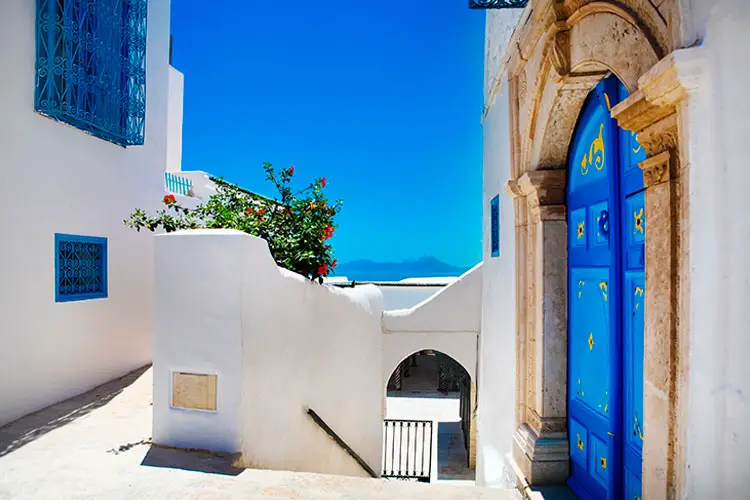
[543, 426]
[659, 93]
[656, 169]
[512, 188]
[559, 53]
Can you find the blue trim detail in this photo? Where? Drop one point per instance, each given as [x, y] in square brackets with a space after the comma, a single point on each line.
[80, 267]
[178, 184]
[91, 66]
[495, 226]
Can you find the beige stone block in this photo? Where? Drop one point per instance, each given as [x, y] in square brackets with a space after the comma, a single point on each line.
[655, 443]
[658, 318]
[194, 391]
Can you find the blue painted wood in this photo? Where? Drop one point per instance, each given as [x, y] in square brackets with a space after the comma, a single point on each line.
[605, 320]
[495, 226]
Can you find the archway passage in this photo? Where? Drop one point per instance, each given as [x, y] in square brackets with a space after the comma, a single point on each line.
[429, 411]
[606, 222]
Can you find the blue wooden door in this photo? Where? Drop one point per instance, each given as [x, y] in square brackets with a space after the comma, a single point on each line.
[606, 287]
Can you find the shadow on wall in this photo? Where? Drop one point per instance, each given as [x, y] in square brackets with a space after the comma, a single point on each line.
[25, 430]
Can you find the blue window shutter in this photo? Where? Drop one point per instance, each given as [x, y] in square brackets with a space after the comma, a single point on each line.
[495, 226]
[91, 66]
[80, 267]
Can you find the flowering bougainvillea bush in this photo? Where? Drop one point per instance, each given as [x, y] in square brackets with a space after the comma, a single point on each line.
[296, 224]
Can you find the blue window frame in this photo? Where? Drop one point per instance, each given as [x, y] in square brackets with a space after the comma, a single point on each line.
[495, 226]
[80, 267]
[91, 66]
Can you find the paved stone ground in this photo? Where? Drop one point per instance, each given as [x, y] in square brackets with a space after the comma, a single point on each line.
[96, 446]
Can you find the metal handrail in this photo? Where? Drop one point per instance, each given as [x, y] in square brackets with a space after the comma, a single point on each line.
[316, 418]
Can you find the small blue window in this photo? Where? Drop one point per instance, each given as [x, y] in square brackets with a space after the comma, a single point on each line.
[495, 226]
[91, 66]
[80, 267]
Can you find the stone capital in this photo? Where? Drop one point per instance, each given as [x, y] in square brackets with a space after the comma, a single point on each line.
[656, 169]
[543, 187]
[548, 213]
[660, 136]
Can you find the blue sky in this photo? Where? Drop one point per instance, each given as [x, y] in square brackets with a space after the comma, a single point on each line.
[383, 98]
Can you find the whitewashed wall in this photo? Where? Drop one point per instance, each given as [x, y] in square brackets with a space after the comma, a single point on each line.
[56, 178]
[448, 322]
[718, 435]
[497, 355]
[404, 297]
[174, 120]
[278, 342]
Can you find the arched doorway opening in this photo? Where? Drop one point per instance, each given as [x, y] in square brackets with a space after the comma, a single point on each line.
[606, 287]
[430, 403]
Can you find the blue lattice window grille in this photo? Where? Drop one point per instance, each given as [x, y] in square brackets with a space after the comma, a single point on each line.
[497, 4]
[80, 267]
[495, 226]
[91, 66]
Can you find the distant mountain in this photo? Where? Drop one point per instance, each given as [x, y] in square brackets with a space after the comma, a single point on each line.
[424, 267]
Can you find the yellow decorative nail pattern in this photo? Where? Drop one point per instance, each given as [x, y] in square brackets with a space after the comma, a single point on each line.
[603, 461]
[581, 226]
[591, 341]
[595, 156]
[603, 288]
[580, 443]
[638, 216]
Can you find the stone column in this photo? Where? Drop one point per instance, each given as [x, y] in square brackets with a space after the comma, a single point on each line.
[540, 448]
[655, 112]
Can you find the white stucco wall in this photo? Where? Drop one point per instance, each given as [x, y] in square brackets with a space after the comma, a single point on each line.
[499, 26]
[56, 178]
[404, 297]
[174, 120]
[497, 358]
[279, 343]
[448, 322]
[718, 434]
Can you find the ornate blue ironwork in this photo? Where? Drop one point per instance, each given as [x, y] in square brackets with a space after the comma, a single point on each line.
[497, 4]
[80, 267]
[91, 66]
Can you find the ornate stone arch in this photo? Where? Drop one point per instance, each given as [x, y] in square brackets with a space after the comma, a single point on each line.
[597, 39]
[559, 54]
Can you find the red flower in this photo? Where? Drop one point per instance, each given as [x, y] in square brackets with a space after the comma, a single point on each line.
[328, 232]
[323, 270]
[261, 210]
[323, 182]
[291, 170]
[334, 263]
[250, 210]
[169, 199]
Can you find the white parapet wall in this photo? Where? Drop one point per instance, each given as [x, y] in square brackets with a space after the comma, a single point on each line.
[448, 321]
[277, 345]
